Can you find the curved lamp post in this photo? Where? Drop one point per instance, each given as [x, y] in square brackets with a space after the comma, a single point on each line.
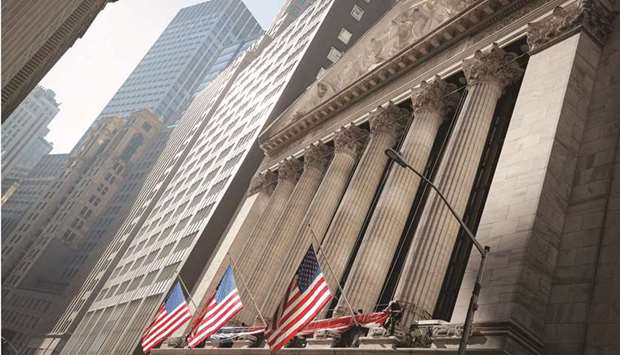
[484, 251]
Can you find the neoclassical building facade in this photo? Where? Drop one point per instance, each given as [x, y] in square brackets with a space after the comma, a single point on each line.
[511, 108]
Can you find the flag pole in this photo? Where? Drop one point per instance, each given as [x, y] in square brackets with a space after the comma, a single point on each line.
[191, 300]
[234, 266]
[346, 300]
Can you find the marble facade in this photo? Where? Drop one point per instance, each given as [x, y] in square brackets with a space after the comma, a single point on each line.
[551, 213]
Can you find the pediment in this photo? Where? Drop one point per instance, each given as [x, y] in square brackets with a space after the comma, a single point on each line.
[404, 24]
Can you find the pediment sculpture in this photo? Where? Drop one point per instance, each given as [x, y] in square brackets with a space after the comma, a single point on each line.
[406, 23]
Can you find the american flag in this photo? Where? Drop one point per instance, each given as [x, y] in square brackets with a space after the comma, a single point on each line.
[171, 316]
[222, 306]
[305, 297]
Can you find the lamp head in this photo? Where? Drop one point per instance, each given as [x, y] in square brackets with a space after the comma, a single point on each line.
[396, 157]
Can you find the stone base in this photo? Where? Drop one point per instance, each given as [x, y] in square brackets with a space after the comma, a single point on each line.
[210, 345]
[323, 339]
[321, 343]
[379, 343]
[242, 344]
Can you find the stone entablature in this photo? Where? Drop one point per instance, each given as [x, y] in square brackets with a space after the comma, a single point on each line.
[514, 19]
[324, 98]
[590, 15]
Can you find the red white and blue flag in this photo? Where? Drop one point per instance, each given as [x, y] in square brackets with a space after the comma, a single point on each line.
[222, 306]
[171, 316]
[306, 296]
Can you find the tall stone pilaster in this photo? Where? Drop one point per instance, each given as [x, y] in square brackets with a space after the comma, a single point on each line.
[349, 143]
[539, 218]
[381, 239]
[487, 75]
[280, 243]
[386, 126]
[251, 253]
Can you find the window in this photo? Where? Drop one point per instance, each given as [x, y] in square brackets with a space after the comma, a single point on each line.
[357, 12]
[185, 242]
[344, 36]
[334, 55]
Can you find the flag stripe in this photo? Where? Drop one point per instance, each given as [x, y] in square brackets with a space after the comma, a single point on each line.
[156, 329]
[316, 285]
[216, 325]
[172, 314]
[169, 330]
[225, 308]
[211, 325]
[224, 305]
[307, 294]
[169, 325]
[302, 321]
[294, 315]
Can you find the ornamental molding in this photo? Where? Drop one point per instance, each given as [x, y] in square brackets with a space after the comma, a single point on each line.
[317, 156]
[493, 66]
[263, 182]
[289, 170]
[350, 140]
[592, 16]
[390, 120]
[389, 58]
[435, 96]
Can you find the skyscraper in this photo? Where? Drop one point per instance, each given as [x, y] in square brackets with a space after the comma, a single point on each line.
[176, 235]
[50, 246]
[22, 136]
[35, 34]
[174, 67]
[31, 189]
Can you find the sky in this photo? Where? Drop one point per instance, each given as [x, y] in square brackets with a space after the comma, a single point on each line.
[90, 72]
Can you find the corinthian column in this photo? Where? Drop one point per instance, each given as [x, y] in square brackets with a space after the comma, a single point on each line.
[487, 75]
[251, 253]
[349, 143]
[249, 215]
[386, 226]
[280, 243]
[386, 126]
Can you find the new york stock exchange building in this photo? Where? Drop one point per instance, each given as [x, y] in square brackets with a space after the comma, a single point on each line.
[512, 109]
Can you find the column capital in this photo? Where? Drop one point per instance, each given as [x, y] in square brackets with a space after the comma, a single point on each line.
[390, 119]
[495, 66]
[350, 140]
[317, 156]
[289, 169]
[590, 15]
[433, 96]
[265, 181]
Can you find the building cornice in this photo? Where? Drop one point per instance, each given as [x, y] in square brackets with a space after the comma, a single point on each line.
[476, 16]
[592, 16]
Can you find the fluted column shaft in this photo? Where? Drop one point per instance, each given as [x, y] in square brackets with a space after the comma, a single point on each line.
[429, 255]
[381, 239]
[386, 126]
[280, 243]
[259, 193]
[251, 254]
[348, 146]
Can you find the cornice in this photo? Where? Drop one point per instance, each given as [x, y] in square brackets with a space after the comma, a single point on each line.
[592, 16]
[480, 14]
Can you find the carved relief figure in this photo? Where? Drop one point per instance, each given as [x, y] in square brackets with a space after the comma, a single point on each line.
[414, 22]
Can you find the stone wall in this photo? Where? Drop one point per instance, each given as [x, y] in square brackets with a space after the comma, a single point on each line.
[585, 294]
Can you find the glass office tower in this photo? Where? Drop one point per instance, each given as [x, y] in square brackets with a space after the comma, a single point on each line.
[174, 67]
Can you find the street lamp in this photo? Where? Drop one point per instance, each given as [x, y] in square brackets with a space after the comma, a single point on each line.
[484, 251]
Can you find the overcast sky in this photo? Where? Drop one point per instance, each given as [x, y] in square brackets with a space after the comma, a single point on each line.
[90, 72]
